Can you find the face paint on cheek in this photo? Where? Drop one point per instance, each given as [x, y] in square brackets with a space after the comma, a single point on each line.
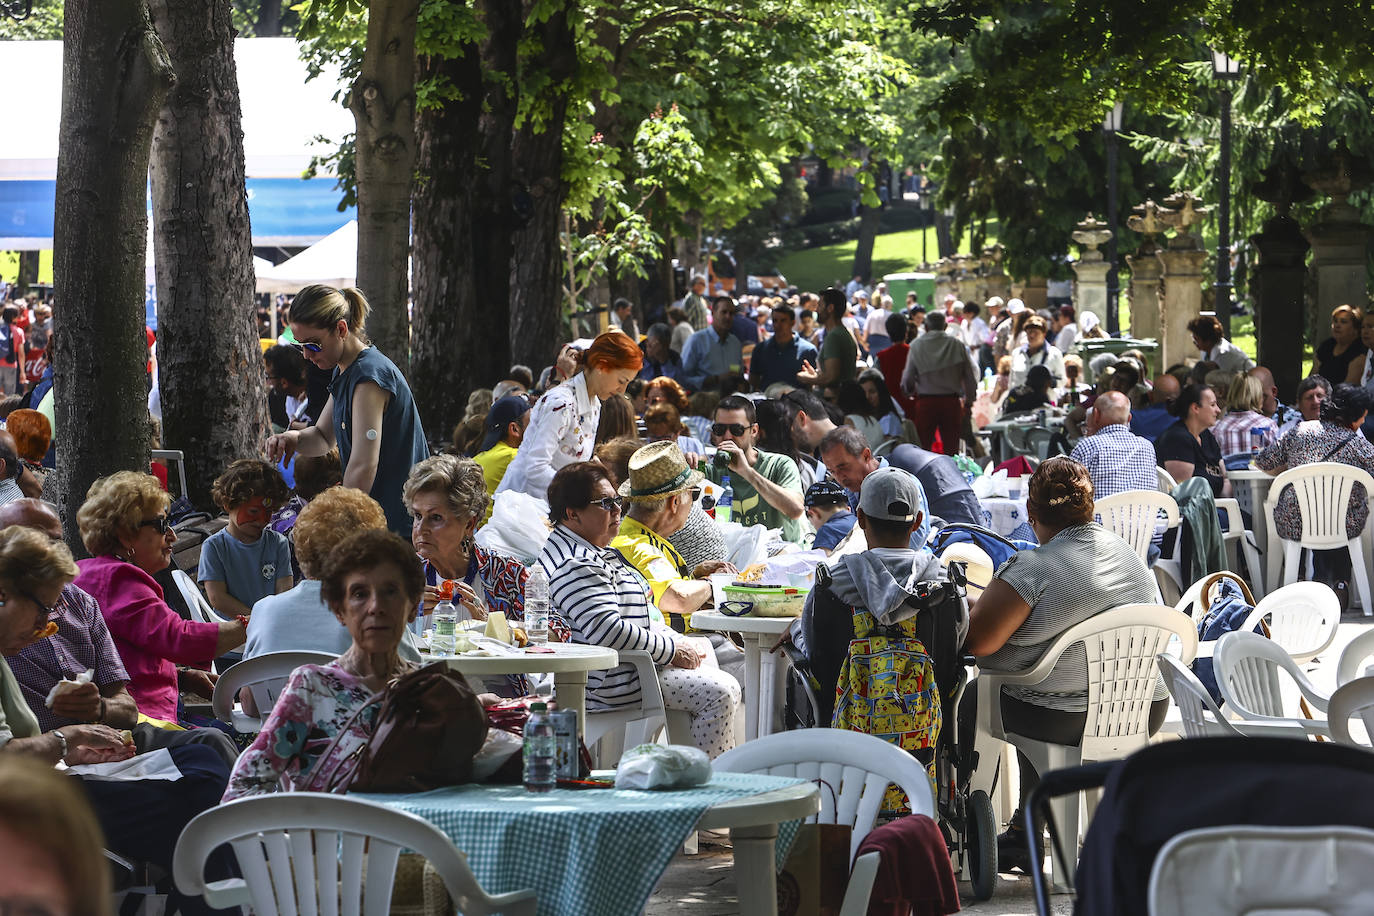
[256, 510]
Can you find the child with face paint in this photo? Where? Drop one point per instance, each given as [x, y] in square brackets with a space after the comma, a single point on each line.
[247, 560]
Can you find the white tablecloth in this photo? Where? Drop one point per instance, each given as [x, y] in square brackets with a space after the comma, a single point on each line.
[1004, 516]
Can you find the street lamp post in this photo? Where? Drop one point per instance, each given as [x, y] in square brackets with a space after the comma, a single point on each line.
[1110, 125]
[1227, 70]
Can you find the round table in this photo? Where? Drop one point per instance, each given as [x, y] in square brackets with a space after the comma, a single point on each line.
[765, 684]
[753, 825]
[568, 663]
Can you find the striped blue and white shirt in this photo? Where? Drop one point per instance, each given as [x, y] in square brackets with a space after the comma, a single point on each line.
[605, 602]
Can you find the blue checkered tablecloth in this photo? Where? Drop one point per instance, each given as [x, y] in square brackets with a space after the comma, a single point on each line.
[585, 852]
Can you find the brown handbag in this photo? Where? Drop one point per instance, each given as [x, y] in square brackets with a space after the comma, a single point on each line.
[428, 729]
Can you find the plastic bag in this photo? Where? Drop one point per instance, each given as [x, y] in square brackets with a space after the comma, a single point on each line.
[744, 546]
[991, 485]
[658, 766]
[518, 527]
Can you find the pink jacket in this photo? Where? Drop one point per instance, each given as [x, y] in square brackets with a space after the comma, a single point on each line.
[152, 639]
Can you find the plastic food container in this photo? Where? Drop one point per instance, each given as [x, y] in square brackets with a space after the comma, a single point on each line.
[769, 601]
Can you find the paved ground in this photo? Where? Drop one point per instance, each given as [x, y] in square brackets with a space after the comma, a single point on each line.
[704, 884]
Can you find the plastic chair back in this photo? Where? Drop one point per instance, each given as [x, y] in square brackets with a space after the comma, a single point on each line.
[1303, 618]
[1166, 480]
[858, 767]
[1323, 491]
[200, 609]
[314, 854]
[1248, 668]
[1353, 657]
[1200, 714]
[1133, 516]
[1353, 699]
[1039, 440]
[265, 676]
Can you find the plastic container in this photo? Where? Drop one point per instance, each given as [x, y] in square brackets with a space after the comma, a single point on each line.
[537, 605]
[725, 503]
[769, 601]
[541, 750]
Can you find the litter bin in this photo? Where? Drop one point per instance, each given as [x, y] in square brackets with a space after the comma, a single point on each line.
[898, 285]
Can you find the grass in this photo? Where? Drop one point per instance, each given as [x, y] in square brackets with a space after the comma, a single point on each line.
[893, 252]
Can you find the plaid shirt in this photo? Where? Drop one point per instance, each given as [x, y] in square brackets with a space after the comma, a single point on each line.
[81, 642]
[1232, 431]
[1117, 460]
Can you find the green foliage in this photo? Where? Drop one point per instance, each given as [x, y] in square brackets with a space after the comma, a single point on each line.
[44, 23]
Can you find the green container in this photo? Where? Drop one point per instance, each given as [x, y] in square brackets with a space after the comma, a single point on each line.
[898, 285]
[1094, 346]
[769, 601]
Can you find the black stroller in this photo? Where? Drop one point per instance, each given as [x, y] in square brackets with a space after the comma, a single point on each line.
[966, 817]
[1219, 825]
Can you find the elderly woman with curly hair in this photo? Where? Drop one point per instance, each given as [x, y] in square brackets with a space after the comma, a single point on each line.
[124, 525]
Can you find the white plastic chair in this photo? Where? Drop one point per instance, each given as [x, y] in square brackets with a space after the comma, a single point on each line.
[314, 854]
[1120, 646]
[640, 724]
[1240, 870]
[1199, 713]
[177, 457]
[858, 767]
[978, 566]
[1195, 603]
[1353, 657]
[1247, 667]
[264, 675]
[1353, 699]
[1234, 535]
[201, 611]
[1134, 516]
[1323, 493]
[1302, 617]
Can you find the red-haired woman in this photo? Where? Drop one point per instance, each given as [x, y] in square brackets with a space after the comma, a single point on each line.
[563, 424]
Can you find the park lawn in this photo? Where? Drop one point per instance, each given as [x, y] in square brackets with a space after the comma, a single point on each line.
[829, 265]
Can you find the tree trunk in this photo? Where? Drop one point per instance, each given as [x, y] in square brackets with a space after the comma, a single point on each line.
[868, 234]
[28, 271]
[944, 238]
[536, 296]
[214, 401]
[115, 74]
[269, 19]
[383, 103]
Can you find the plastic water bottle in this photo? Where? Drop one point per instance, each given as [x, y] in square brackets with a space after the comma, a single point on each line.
[1257, 434]
[725, 502]
[541, 750]
[987, 380]
[444, 640]
[537, 605]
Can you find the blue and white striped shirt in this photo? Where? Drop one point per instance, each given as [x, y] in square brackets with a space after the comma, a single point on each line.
[605, 602]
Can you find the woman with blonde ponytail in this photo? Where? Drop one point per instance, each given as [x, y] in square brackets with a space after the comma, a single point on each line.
[370, 415]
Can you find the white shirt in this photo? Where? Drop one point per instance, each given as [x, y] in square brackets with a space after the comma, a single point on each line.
[1229, 357]
[562, 430]
[1068, 336]
[1022, 360]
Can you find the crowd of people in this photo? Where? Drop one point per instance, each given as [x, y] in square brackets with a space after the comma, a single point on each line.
[837, 420]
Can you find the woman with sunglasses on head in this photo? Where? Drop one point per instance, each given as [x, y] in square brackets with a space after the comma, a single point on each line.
[606, 601]
[563, 424]
[124, 525]
[370, 415]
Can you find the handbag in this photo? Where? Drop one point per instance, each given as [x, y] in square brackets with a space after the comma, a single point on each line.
[427, 730]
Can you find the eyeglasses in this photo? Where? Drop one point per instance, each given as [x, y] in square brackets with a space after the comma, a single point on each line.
[609, 503]
[161, 523]
[312, 347]
[49, 611]
[734, 429]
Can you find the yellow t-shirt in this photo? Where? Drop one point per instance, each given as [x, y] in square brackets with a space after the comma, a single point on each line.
[656, 560]
[494, 462]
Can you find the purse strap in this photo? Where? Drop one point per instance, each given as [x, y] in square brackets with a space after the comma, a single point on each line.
[1340, 445]
[334, 782]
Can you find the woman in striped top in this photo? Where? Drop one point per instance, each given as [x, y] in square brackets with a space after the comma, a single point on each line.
[606, 602]
[1079, 570]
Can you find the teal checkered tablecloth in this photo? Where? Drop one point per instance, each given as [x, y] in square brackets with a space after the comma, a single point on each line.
[585, 852]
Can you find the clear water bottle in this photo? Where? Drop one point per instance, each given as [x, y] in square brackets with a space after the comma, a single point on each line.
[1257, 434]
[726, 501]
[541, 750]
[537, 605]
[444, 640]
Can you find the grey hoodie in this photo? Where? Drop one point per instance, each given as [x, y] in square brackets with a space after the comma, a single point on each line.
[880, 579]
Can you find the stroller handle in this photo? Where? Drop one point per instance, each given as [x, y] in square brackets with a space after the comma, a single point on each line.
[1070, 780]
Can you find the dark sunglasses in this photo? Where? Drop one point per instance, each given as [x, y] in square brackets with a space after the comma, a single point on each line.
[609, 503]
[161, 523]
[734, 429]
[312, 347]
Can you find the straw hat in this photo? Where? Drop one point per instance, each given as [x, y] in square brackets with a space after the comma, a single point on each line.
[658, 469]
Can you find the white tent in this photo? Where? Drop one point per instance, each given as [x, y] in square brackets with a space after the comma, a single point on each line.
[332, 260]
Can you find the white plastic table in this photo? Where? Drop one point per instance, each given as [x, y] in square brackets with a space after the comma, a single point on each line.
[1251, 488]
[765, 679]
[753, 825]
[568, 663]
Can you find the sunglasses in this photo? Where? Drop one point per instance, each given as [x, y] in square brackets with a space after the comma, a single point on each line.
[734, 429]
[312, 347]
[609, 503]
[161, 523]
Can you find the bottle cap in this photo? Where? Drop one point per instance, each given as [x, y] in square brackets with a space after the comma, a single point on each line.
[446, 590]
[539, 707]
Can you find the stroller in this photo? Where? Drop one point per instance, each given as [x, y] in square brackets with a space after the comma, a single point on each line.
[1220, 826]
[966, 818]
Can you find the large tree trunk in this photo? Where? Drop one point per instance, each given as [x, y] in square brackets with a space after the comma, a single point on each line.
[269, 19]
[463, 225]
[28, 271]
[214, 401]
[383, 103]
[115, 74]
[536, 295]
[868, 234]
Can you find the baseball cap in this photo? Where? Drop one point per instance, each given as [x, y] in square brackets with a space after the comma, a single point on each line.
[890, 494]
[1015, 306]
[825, 493]
[504, 412]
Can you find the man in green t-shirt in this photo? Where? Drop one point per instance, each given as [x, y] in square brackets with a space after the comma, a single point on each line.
[839, 354]
[767, 486]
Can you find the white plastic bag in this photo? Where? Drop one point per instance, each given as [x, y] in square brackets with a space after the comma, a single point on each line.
[518, 527]
[744, 546]
[658, 766]
[987, 486]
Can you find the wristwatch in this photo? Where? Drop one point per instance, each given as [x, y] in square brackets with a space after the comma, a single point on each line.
[63, 740]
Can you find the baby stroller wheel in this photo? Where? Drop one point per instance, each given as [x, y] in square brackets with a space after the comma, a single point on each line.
[980, 845]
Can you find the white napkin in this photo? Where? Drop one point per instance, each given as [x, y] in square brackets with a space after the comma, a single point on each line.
[152, 765]
[67, 684]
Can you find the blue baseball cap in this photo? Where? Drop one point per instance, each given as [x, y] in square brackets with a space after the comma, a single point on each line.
[504, 412]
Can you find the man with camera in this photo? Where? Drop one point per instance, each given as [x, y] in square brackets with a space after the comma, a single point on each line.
[767, 486]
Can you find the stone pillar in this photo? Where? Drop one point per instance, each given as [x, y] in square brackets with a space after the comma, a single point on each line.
[999, 284]
[1181, 272]
[1147, 219]
[1091, 267]
[967, 284]
[1340, 244]
[1035, 293]
[944, 280]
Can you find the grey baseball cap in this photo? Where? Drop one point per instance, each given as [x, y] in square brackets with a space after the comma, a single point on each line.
[891, 494]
